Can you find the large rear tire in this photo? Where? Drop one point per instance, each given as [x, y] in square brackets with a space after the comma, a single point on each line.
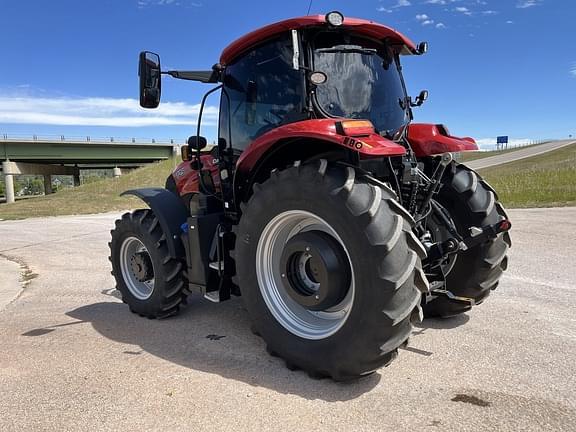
[370, 245]
[150, 280]
[471, 201]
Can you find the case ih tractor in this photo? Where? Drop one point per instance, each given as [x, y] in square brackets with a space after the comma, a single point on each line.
[338, 220]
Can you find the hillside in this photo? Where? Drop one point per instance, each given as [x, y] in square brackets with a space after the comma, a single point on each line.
[96, 197]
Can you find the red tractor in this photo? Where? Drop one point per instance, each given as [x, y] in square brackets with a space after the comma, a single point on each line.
[338, 220]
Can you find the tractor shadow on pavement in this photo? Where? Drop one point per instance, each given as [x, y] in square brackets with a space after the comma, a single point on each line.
[444, 323]
[214, 338]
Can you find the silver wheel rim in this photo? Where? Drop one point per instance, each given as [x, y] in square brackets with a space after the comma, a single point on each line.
[142, 290]
[292, 316]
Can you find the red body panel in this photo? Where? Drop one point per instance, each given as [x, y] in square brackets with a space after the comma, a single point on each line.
[430, 139]
[322, 129]
[186, 177]
[364, 27]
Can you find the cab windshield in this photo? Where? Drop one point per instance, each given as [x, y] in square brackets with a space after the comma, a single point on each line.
[363, 82]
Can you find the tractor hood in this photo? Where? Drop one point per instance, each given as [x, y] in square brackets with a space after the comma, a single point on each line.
[362, 27]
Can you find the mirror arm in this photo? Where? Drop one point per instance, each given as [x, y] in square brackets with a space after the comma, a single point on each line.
[201, 76]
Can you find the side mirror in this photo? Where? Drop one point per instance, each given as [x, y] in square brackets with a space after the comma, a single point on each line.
[421, 98]
[197, 142]
[150, 82]
[422, 48]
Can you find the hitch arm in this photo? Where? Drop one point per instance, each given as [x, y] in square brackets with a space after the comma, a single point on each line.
[488, 232]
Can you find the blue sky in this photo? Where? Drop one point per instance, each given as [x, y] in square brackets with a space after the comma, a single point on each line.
[495, 67]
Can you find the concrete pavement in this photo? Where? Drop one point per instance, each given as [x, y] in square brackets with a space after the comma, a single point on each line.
[73, 357]
[10, 281]
[518, 154]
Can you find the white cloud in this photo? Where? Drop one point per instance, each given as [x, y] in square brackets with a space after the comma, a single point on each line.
[399, 4]
[427, 22]
[489, 12]
[402, 3]
[99, 112]
[523, 4]
[444, 2]
[421, 17]
[509, 22]
[463, 10]
[147, 3]
[440, 26]
[573, 70]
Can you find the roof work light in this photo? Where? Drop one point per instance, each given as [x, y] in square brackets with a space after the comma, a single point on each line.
[335, 18]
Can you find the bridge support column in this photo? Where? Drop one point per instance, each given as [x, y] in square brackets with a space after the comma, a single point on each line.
[117, 172]
[76, 179]
[47, 184]
[8, 182]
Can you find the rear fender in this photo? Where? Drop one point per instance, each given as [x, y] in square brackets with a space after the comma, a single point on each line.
[171, 213]
[321, 134]
[431, 139]
[319, 129]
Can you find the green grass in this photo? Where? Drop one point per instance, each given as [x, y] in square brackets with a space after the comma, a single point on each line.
[547, 180]
[96, 197]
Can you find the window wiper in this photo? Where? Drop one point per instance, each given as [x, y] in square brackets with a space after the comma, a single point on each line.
[348, 49]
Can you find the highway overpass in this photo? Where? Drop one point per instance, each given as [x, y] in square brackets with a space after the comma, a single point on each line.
[68, 156]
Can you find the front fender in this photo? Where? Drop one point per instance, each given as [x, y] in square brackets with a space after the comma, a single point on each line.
[431, 139]
[171, 213]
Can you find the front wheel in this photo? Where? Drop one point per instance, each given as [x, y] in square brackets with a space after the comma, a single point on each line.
[329, 270]
[474, 273]
[150, 280]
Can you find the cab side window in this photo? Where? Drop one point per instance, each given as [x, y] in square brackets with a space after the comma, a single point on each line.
[262, 90]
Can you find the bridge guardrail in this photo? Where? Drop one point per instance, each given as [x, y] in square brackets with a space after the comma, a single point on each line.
[90, 139]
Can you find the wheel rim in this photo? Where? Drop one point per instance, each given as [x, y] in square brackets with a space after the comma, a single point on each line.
[137, 268]
[291, 315]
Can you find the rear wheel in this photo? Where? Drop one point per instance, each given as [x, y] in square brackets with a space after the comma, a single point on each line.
[150, 280]
[329, 270]
[474, 273]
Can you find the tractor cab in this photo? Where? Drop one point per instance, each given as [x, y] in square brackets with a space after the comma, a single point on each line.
[315, 67]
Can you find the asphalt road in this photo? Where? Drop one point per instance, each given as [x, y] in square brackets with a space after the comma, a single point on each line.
[73, 357]
[517, 154]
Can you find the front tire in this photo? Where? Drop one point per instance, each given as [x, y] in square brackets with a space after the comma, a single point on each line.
[150, 280]
[476, 272]
[367, 240]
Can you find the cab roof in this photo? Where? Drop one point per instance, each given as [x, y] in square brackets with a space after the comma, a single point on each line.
[359, 26]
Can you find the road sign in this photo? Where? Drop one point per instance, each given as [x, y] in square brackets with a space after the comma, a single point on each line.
[502, 141]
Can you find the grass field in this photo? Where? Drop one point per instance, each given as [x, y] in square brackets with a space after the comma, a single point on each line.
[547, 180]
[97, 197]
